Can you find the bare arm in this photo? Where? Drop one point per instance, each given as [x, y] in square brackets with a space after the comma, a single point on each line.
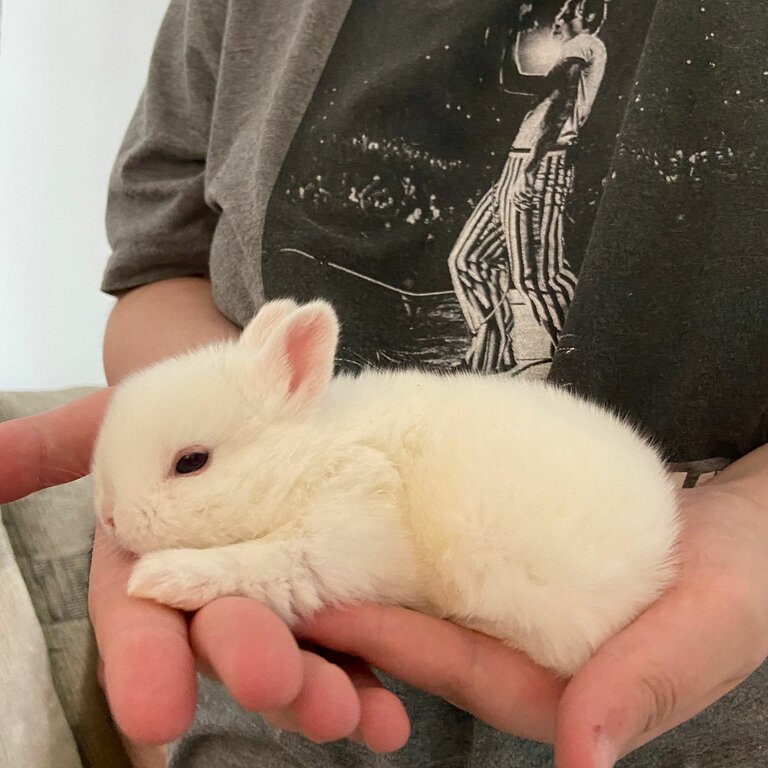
[160, 319]
[564, 81]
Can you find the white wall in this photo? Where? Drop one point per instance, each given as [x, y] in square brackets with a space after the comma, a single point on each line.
[71, 72]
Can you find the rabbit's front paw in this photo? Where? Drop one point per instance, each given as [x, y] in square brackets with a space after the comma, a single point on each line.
[181, 578]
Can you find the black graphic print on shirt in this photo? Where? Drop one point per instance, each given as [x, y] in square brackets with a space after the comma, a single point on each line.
[441, 188]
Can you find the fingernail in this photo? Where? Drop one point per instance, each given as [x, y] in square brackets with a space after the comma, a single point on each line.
[606, 753]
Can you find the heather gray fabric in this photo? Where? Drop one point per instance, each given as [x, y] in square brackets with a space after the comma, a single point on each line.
[730, 734]
[227, 87]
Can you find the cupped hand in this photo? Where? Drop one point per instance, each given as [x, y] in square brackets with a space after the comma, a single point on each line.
[702, 638]
[150, 653]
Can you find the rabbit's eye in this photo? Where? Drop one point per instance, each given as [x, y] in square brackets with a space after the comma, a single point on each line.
[191, 462]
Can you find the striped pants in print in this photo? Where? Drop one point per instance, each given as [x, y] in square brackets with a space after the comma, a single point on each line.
[505, 245]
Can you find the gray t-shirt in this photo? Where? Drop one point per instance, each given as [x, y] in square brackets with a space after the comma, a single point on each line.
[668, 323]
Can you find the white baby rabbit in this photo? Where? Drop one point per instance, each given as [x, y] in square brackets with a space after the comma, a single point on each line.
[507, 506]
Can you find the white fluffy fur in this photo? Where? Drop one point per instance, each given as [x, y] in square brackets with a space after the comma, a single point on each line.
[508, 506]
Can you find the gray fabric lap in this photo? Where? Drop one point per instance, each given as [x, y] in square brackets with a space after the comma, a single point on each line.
[732, 733]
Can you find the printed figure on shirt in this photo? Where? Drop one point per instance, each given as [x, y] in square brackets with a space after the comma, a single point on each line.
[512, 247]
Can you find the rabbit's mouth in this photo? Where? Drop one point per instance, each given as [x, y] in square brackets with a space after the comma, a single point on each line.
[120, 547]
[133, 530]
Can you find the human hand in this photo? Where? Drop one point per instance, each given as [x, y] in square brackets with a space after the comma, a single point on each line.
[149, 653]
[702, 638]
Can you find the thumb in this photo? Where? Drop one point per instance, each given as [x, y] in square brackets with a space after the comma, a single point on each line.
[651, 677]
[49, 448]
[602, 709]
[638, 685]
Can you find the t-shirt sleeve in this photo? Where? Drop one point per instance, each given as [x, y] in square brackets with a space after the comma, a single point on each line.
[158, 222]
[587, 48]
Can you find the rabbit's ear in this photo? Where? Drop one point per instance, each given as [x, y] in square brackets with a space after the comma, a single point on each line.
[258, 330]
[300, 352]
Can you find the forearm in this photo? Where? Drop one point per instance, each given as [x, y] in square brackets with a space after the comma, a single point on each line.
[563, 85]
[551, 126]
[158, 320]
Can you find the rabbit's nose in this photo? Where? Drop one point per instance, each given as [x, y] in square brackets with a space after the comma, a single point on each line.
[104, 506]
[107, 515]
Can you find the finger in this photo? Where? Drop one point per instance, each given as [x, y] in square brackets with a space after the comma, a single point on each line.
[148, 668]
[475, 672]
[250, 650]
[384, 725]
[327, 707]
[649, 678]
[49, 448]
